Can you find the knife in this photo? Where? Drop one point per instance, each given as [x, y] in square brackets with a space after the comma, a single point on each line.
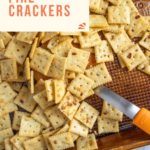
[140, 116]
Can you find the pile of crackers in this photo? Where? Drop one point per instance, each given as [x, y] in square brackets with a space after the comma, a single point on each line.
[45, 78]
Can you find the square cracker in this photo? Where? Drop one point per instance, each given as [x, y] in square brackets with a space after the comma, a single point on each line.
[145, 41]
[80, 86]
[133, 57]
[57, 68]
[107, 125]
[39, 86]
[115, 2]
[41, 99]
[145, 66]
[55, 116]
[33, 48]
[86, 114]
[110, 112]
[27, 70]
[17, 50]
[7, 108]
[7, 133]
[103, 52]
[138, 25]
[119, 15]
[31, 82]
[17, 141]
[88, 41]
[2, 45]
[70, 74]
[99, 74]
[41, 61]
[98, 21]
[25, 100]
[29, 127]
[62, 48]
[77, 60]
[118, 41]
[49, 86]
[87, 143]
[115, 28]
[6, 37]
[39, 116]
[8, 69]
[6, 93]
[17, 119]
[98, 6]
[61, 141]
[78, 128]
[8, 144]
[26, 37]
[36, 143]
[5, 122]
[69, 105]
[59, 90]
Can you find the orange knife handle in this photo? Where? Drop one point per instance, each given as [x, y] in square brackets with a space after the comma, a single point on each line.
[142, 120]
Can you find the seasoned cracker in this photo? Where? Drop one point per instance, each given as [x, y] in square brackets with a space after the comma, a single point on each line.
[6, 93]
[115, 28]
[77, 60]
[98, 21]
[29, 127]
[36, 143]
[110, 112]
[145, 41]
[62, 48]
[39, 116]
[69, 105]
[2, 45]
[31, 83]
[26, 37]
[33, 48]
[17, 119]
[59, 90]
[98, 6]
[88, 41]
[6, 133]
[61, 141]
[103, 53]
[8, 69]
[5, 122]
[70, 74]
[86, 114]
[107, 125]
[78, 128]
[17, 50]
[49, 86]
[6, 37]
[25, 100]
[7, 108]
[8, 145]
[118, 41]
[27, 71]
[39, 86]
[56, 118]
[41, 61]
[80, 86]
[138, 25]
[85, 143]
[57, 68]
[119, 15]
[99, 74]
[41, 99]
[133, 57]
[17, 141]
[115, 2]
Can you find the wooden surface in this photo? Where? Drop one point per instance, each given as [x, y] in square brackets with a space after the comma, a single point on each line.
[126, 140]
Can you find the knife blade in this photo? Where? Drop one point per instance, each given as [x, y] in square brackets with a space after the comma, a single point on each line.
[117, 101]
